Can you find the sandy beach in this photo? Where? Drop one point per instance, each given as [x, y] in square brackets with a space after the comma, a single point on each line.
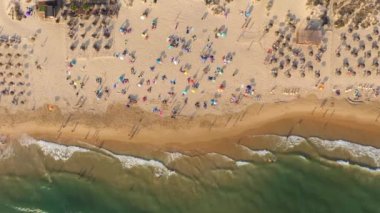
[336, 120]
[175, 75]
[189, 106]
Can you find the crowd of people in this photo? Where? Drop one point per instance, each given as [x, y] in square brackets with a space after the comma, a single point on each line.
[179, 44]
[181, 75]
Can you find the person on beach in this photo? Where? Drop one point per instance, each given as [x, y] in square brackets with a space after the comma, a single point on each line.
[154, 23]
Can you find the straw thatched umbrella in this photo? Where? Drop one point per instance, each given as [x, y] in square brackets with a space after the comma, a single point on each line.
[302, 74]
[338, 72]
[317, 74]
[288, 74]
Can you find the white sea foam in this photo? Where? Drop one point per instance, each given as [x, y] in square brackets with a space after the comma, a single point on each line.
[290, 142]
[258, 153]
[56, 151]
[356, 151]
[7, 153]
[29, 210]
[343, 162]
[371, 170]
[242, 163]
[363, 168]
[62, 152]
[262, 153]
[302, 157]
[284, 142]
[173, 156]
[129, 162]
[217, 155]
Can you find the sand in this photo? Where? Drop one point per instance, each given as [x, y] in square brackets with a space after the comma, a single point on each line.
[146, 133]
[285, 106]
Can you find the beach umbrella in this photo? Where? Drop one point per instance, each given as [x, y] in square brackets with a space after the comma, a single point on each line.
[73, 62]
[122, 78]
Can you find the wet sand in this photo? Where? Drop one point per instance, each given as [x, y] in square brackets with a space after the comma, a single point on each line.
[126, 131]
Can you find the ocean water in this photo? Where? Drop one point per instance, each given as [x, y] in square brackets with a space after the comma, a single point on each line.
[38, 176]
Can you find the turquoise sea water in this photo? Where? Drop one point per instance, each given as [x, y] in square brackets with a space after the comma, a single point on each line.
[290, 184]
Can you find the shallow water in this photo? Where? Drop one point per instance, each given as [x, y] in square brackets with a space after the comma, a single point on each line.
[292, 183]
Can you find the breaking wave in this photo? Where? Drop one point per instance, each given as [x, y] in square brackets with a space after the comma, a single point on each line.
[29, 210]
[355, 153]
[7, 153]
[56, 151]
[63, 153]
[339, 151]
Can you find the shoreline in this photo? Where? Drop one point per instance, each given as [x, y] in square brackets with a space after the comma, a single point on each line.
[209, 117]
[189, 106]
[133, 130]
